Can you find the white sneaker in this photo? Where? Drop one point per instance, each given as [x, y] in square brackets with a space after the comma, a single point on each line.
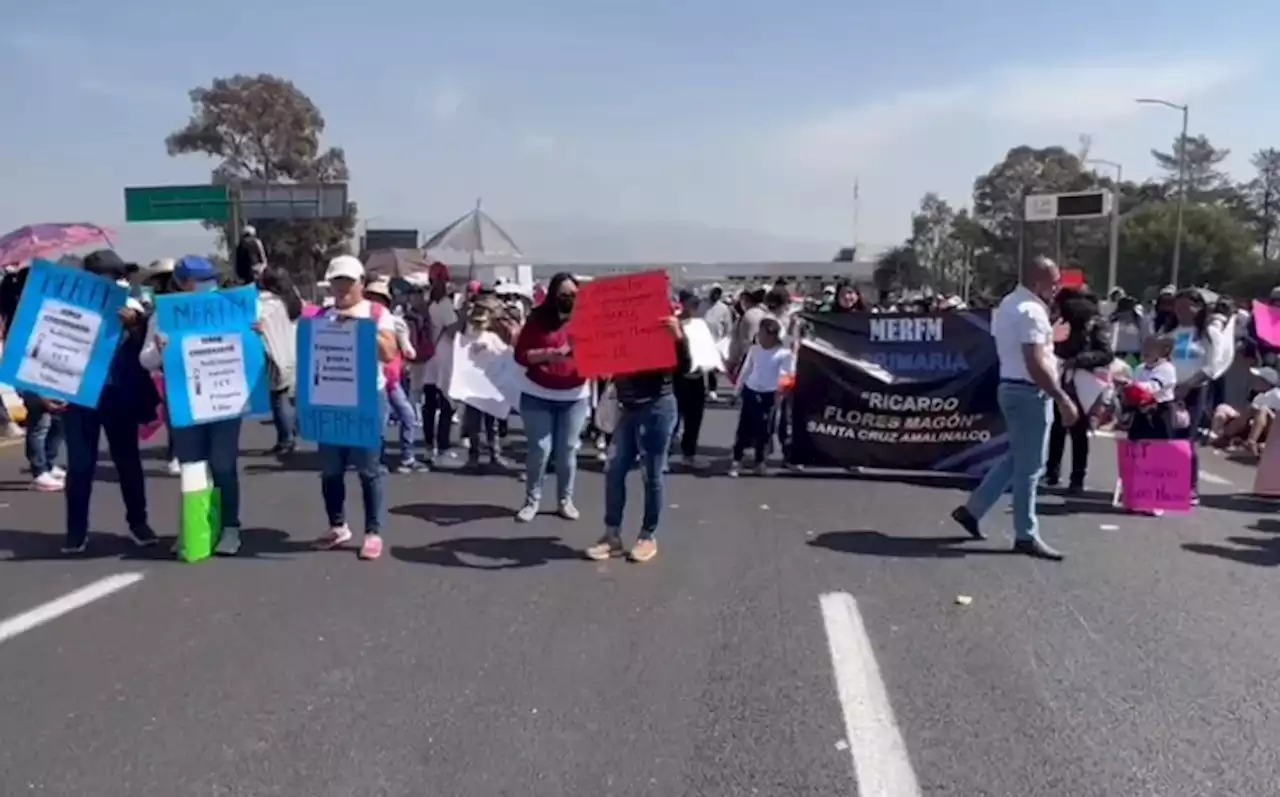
[527, 513]
[229, 542]
[58, 473]
[175, 469]
[47, 483]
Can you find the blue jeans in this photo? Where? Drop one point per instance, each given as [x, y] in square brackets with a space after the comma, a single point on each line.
[643, 432]
[552, 429]
[218, 444]
[398, 404]
[284, 414]
[1027, 412]
[44, 436]
[84, 427]
[334, 461]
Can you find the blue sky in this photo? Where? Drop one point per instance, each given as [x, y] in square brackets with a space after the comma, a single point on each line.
[736, 119]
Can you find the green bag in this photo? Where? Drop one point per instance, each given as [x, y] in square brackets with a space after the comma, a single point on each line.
[201, 521]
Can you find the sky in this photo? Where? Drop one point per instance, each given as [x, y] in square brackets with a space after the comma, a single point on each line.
[630, 131]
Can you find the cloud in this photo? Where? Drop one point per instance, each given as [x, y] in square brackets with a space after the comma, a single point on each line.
[1028, 97]
[445, 102]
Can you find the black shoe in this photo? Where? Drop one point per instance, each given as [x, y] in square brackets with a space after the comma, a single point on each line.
[1049, 481]
[968, 522]
[143, 537]
[1037, 549]
[1076, 487]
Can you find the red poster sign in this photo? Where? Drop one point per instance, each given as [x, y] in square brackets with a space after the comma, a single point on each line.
[617, 326]
[1071, 278]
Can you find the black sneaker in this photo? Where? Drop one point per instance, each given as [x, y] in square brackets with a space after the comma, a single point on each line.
[968, 522]
[68, 549]
[143, 537]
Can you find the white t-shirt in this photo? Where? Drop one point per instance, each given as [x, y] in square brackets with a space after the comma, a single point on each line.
[1269, 400]
[364, 309]
[439, 369]
[1021, 318]
[1160, 379]
[764, 367]
[1191, 353]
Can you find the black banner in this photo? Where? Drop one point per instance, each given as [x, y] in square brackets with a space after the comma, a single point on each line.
[898, 391]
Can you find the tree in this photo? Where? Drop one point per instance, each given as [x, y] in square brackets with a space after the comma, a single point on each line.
[1204, 180]
[898, 269]
[998, 198]
[1262, 198]
[937, 252]
[262, 128]
[1217, 248]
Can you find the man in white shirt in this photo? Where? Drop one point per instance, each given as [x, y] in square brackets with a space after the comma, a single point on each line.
[1028, 383]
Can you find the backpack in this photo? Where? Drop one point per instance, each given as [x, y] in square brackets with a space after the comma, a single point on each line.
[424, 342]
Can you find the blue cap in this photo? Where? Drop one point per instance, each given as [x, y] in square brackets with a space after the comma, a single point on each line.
[195, 268]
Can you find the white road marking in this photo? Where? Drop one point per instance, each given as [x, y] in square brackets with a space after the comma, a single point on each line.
[32, 618]
[880, 761]
[1213, 478]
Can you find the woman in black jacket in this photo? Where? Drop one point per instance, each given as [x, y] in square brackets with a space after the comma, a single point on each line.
[646, 420]
[1087, 346]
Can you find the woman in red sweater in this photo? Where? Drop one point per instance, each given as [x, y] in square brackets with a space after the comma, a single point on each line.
[555, 398]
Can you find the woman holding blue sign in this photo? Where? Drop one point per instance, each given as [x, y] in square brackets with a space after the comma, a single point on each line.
[215, 442]
[346, 285]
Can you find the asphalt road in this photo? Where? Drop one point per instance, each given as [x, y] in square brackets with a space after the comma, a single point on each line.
[483, 658]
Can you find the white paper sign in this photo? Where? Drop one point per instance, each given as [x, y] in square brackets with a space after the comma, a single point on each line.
[486, 380]
[216, 384]
[60, 346]
[333, 364]
[703, 351]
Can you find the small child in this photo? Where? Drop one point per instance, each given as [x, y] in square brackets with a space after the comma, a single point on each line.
[1148, 398]
[767, 361]
[1155, 377]
[487, 344]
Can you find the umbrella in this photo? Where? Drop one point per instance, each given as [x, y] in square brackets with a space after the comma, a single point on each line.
[475, 235]
[44, 240]
[402, 263]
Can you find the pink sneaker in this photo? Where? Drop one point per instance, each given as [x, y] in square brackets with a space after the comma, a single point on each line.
[372, 547]
[338, 535]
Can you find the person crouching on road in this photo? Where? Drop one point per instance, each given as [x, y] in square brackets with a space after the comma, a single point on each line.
[346, 286]
[129, 399]
[647, 418]
[217, 442]
[766, 363]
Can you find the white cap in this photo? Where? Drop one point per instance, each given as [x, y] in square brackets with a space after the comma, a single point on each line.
[379, 287]
[249, 229]
[348, 266]
[1267, 374]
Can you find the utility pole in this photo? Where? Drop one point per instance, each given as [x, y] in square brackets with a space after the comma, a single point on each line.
[1113, 249]
[1182, 182]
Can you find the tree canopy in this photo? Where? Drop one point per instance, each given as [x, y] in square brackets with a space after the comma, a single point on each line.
[1231, 230]
[263, 128]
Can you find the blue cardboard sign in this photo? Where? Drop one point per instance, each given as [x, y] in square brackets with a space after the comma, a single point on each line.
[214, 362]
[64, 334]
[338, 402]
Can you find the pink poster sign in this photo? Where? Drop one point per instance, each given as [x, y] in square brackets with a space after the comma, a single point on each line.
[1155, 474]
[1266, 319]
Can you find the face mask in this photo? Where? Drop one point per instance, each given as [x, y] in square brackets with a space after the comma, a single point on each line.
[205, 287]
[565, 303]
[123, 283]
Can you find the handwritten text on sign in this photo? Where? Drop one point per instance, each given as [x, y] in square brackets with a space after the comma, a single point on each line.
[1155, 474]
[617, 326]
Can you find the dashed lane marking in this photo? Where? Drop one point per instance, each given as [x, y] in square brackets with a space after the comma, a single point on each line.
[881, 764]
[1213, 478]
[45, 612]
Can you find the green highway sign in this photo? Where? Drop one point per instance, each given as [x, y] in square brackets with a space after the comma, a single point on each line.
[177, 203]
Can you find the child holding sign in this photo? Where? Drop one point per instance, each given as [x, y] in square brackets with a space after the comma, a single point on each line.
[1148, 397]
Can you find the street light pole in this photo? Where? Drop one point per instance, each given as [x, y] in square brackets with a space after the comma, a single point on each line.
[1113, 249]
[1182, 182]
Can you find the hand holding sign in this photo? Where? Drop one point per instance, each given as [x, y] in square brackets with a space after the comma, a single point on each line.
[619, 325]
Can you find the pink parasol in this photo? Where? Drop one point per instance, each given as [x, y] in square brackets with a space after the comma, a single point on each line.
[46, 240]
